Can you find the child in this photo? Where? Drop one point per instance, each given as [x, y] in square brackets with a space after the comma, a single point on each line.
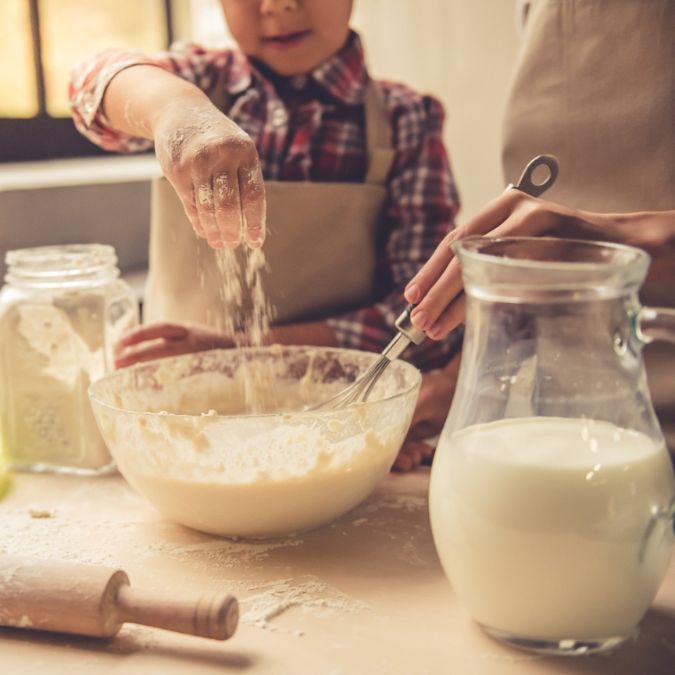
[358, 187]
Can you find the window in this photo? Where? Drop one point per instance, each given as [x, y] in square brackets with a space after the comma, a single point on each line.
[40, 40]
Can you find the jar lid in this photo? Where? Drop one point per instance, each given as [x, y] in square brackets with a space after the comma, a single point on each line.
[53, 265]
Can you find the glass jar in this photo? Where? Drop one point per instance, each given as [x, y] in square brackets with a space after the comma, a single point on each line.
[552, 491]
[61, 311]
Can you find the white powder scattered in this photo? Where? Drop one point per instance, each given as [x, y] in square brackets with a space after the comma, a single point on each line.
[402, 502]
[70, 539]
[226, 553]
[223, 188]
[205, 195]
[309, 594]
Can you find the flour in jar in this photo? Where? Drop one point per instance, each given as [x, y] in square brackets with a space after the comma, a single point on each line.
[49, 353]
[61, 310]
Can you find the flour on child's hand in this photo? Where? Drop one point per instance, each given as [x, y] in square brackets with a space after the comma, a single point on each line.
[205, 195]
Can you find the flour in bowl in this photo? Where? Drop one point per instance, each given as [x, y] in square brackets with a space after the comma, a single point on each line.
[271, 471]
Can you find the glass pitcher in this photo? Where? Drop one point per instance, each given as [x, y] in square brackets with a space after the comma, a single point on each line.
[552, 491]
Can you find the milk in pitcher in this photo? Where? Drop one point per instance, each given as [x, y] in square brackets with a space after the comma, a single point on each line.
[551, 527]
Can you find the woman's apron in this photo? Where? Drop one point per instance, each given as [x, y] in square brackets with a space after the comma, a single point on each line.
[320, 247]
[595, 86]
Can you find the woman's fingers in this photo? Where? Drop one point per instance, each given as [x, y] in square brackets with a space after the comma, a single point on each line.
[443, 307]
[453, 315]
[446, 288]
[427, 276]
[441, 310]
[492, 215]
[434, 270]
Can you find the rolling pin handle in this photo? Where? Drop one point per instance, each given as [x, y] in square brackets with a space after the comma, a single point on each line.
[213, 617]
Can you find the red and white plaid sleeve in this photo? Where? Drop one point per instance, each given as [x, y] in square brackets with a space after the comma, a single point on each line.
[420, 209]
[90, 78]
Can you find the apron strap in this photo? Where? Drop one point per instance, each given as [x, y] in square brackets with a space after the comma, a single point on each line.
[378, 127]
[378, 135]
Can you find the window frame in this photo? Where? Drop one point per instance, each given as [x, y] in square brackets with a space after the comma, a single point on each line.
[44, 136]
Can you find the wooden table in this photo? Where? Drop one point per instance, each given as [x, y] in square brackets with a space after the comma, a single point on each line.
[364, 595]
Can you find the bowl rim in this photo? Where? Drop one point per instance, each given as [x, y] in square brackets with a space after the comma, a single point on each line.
[94, 398]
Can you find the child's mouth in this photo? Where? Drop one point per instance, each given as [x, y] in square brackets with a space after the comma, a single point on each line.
[286, 40]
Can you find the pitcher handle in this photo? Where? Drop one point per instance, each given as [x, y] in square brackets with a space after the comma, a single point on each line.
[666, 514]
[655, 323]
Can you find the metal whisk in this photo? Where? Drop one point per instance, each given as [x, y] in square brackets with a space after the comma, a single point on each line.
[360, 389]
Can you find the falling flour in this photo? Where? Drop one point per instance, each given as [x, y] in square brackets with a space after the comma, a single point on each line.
[247, 313]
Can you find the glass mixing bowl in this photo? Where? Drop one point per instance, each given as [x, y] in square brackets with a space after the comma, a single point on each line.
[220, 441]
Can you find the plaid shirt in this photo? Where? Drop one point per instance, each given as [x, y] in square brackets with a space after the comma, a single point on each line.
[311, 128]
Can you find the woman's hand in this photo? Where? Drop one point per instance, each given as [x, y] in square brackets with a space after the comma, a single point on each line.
[158, 340]
[433, 403]
[437, 288]
[213, 165]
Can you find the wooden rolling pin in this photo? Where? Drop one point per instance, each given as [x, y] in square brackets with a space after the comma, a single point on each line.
[95, 600]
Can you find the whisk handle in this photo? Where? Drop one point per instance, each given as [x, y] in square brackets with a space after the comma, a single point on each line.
[404, 325]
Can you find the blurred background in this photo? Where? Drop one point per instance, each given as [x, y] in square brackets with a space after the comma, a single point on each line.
[56, 187]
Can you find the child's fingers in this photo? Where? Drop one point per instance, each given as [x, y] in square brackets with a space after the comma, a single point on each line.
[228, 207]
[156, 350]
[412, 454]
[253, 205]
[206, 209]
[402, 463]
[168, 331]
[185, 191]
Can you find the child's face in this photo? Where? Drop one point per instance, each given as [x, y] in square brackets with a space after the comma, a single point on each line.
[289, 36]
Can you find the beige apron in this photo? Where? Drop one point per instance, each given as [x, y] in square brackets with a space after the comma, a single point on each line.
[320, 247]
[595, 86]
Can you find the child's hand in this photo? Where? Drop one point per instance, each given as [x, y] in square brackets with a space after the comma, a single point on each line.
[413, 454]
[433, 403]
[213, 165]
[166, 339]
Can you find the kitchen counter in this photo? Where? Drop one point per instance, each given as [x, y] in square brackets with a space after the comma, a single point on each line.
[363, 595]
